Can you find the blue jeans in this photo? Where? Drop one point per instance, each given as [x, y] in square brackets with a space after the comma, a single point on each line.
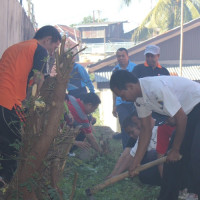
[78, 93]
[124, 110]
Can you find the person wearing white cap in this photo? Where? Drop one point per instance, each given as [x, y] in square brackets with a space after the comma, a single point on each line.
[151, 67]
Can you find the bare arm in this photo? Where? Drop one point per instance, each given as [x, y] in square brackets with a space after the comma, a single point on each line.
[92, 140]
[143, 142]
[82, 145]
[181, 121]
[38, 79]
[160, 167]
[122, 163]
[114, 106]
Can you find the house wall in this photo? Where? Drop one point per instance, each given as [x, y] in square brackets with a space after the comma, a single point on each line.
[105, 109]
[92, 32]
[114, 32]
[15, 25]
[111, 32]
[170, 49]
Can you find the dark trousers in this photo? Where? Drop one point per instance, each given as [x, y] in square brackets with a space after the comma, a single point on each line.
[80, 137]
[186, 172]
[9, 134]
[123, 111]
[150, 176]
[78, 93]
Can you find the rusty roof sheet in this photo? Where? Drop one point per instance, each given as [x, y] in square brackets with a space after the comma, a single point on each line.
[190, 72]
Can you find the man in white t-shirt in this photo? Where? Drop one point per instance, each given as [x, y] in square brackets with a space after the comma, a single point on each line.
[150, 176]
[174, 97]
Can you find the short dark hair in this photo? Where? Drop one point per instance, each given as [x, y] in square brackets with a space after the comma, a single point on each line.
[91, 98]
[123, 49]
[120, 78]
[128, 121]
[48, 31]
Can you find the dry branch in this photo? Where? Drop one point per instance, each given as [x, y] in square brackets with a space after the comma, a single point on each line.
[74, 186]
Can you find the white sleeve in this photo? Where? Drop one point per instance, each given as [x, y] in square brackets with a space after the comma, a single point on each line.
[153, 141]
[142, 111]
[171, 104]
[134, 149]
[152, 144]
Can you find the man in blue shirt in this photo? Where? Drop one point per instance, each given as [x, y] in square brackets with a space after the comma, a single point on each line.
[79, 80]
[122, 109]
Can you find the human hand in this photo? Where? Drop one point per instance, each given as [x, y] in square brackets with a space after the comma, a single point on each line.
[38, 77]
[93, 120]
[110, 176]
[114, 112]
[82, 145]
[133, 170]
[173, 155]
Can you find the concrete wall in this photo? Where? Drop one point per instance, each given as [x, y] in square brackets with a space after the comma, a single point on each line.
[15, 26]
[105, 110]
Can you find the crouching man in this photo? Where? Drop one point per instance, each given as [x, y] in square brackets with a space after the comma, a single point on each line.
[132, 125]
[80, 109]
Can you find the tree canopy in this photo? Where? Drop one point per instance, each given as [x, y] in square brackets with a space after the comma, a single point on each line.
[89, 19]
[165, 16]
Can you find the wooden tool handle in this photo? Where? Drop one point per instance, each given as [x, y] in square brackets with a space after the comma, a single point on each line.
[124, 175]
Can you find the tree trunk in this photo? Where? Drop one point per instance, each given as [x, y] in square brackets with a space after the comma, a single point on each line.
[41, 132]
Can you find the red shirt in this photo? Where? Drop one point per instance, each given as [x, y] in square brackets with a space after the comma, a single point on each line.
[164, 134]
[78, 112]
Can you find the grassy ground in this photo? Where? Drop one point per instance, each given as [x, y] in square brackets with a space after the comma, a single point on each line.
[93, 171]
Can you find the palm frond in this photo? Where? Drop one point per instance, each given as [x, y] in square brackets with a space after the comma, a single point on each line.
[165, 16]
[192, 9]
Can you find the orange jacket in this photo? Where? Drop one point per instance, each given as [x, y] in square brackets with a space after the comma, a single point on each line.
[15, 66]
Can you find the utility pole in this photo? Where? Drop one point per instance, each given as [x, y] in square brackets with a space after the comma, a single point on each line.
[29, 8]
[181, 39]
[93, 16]
[98, 15]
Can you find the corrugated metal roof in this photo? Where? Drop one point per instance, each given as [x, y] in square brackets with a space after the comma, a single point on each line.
[190, 72]
[102, 76]
[168, 42]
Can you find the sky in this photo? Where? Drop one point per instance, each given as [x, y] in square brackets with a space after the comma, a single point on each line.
[67, 12]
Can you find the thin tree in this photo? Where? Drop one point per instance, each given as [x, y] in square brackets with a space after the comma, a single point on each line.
[46, 139]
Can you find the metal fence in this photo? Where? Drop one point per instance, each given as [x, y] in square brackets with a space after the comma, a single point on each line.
[191, 72]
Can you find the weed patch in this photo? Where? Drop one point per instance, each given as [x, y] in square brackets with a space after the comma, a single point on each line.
[93, 171]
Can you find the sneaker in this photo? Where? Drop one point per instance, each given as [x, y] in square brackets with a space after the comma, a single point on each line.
[71, 154]
[183, 194]
[191, 196]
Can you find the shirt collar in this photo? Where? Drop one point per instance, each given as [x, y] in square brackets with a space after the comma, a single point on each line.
[146, 65]
[81, 104]
[126, 66]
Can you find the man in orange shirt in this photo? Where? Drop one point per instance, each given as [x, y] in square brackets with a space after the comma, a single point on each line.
[18, 64]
